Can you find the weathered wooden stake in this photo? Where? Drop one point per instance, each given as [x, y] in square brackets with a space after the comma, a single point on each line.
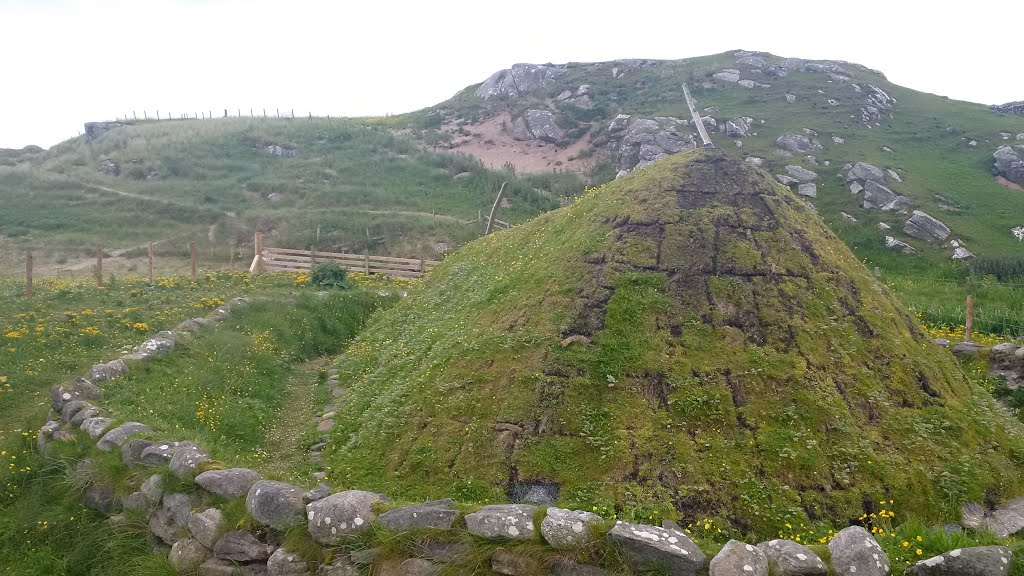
[494, 208]
[969, 321]
[28, 273]
[259, 253]
[150, 263]
[192, 253]
[99, 267]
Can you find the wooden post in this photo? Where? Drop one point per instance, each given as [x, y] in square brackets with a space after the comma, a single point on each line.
[192, 253]
[494, 208]
[28, 273]
[150, 263]
[259, 253]
[969, 320]
[367, 261]
[99, 267]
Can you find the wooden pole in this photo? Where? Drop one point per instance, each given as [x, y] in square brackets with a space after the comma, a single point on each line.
[367, 260]
[99, 267]
[151, 263]
[969, 321]
[192, 253]
[259, 252]
[494, 208]
[28, 273]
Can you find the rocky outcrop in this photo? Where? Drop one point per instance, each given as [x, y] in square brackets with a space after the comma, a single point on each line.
[879, 197]
[979, 561]
[739, 558]
[797, 143]
[637, 143]
[517, 80]
[94, 130]
[1009, 164]
[503, 521]
[802, 174]
[1015, 108]
[925, 227]
[899, 245]
[863, 171]
[538, 125]
[654, 548]
[788, 558]
[566, 529]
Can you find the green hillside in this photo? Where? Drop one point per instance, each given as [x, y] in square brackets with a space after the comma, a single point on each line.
[216, 182]
[689, 341]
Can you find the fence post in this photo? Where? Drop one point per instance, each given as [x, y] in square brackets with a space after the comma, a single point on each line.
[28, 273]
[258, 244]
[192, 254]
[99, 267]
[150, 263]
[969, 320]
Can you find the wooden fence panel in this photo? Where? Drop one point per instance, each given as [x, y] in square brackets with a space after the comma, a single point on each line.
[271, 259]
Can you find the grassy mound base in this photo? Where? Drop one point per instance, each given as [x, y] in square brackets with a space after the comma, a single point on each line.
[732, 360]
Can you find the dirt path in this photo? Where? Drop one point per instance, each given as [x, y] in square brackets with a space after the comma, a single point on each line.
[287, 434]
[150, 198]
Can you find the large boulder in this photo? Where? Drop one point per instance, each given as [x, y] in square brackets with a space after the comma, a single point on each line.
[855, 551]
[739, 559]
[519, 79]
[229, 483]
[503, 521]
[788, 558]
[565, 529]
[979, 561]
[349, 512]
[648, 140]
[654, 548]
[439, 514]
[1007, 519]
[188, 555]
[1009, 164]
[802, 174]
[241, 546]
[737, 127]
[865, 171]
[169, 521]
[899, 246]
[797, 143]
[878, 197]
[809, 189]
[116, 437]
[276, 504]
[925, 227]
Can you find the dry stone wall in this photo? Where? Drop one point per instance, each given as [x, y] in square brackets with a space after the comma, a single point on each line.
[193, 531]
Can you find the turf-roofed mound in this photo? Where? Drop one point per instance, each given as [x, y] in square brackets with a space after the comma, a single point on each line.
[689, 340]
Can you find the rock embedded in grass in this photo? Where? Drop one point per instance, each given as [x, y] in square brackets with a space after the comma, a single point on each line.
[116, 437]
[162, 452]
[333, 517]
[108, 371]
[228, 483]
[77, 389]
[739, 558]
[206, 526]
[788, 558]
[86, 413]
[241, 546]
[513, 563]
[566, 567]
[101, 497]
[654, 548]
[503, 521]
[131, 452]
[439, 514]
[286, 563]
[72, 408]
[169, 521]
[188, 555]
[275, 504]
[185, 460]
[854, 550]
[565, 529]
[96, 426]
[978, 561]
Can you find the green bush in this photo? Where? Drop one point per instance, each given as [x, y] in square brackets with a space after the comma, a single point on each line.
[329, 275]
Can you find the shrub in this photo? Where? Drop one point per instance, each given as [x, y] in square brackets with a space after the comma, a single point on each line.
[329, 275]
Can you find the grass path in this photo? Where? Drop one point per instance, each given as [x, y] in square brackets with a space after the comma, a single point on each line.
[286, 437]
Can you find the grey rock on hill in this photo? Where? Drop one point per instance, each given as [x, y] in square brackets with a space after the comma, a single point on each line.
[646, 140]
[865, 171]
[519, 79]
[791, 142]
[1015, 108]
[855, 551]
[537, 125]
[926, 228]
[1009, 164]
[979, 561]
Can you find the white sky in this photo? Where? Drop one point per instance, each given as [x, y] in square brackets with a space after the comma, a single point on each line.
[65, 62]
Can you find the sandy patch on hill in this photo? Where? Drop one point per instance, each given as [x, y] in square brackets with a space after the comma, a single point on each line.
[491, 141]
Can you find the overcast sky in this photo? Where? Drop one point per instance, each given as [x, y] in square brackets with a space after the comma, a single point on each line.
[66, 62]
